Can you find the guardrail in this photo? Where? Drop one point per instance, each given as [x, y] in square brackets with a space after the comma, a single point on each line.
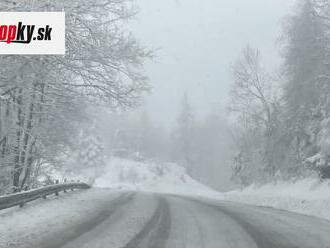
[19, 199]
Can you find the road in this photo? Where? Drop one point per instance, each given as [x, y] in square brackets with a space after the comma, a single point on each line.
[141, 220]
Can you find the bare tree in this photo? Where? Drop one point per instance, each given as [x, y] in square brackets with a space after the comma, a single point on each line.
[255, 107]
[38, 94]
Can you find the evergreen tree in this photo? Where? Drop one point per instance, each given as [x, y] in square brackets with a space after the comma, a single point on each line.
[307, 88]
[185, 134]
[91, 152]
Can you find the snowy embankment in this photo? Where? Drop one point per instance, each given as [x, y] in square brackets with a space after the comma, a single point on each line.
[43, 219]
[308, 196]
[150, 176]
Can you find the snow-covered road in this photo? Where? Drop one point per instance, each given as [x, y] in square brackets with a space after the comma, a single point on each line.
[100, 218]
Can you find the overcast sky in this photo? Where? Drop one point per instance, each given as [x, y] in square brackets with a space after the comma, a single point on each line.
[198, 41]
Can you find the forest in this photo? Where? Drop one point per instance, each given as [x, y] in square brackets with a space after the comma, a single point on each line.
[283, 116]
[44, 100]
[70, 112]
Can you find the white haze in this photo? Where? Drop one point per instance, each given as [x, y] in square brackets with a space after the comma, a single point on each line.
[196, 43]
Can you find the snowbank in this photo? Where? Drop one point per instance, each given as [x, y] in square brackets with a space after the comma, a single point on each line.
[151, 177]
[308, 196]
[46, 219]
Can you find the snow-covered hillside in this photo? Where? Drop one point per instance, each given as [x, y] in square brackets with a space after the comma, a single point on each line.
[308, 196]
[150, 176]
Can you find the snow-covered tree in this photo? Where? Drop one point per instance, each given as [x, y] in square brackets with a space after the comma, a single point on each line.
[287, 135]
[91, 150]
[254, 105]
[41, 94]
[307, 88]
[184, 135]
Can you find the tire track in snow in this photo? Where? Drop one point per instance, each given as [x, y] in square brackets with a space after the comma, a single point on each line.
[257, 234]
[156, 231]
[90, 224]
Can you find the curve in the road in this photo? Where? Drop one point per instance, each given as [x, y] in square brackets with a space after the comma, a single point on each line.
[271, 228]
[90, 224]
[166, 221]
[256, 234]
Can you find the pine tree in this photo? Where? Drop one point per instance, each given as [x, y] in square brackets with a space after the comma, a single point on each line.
[91, 152]
[185, 134]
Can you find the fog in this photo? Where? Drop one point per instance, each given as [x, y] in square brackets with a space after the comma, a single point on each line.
[216, 106]
[197, 42]
[167, 123]
[195, 45]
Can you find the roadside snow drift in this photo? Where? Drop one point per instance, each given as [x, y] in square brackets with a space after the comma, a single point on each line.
[151, 177]
[308, 196]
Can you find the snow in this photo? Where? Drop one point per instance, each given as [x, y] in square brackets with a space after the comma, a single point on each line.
[37, 221]
[150, 176]
[42, 219]
[308, 196]
[131, 217]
